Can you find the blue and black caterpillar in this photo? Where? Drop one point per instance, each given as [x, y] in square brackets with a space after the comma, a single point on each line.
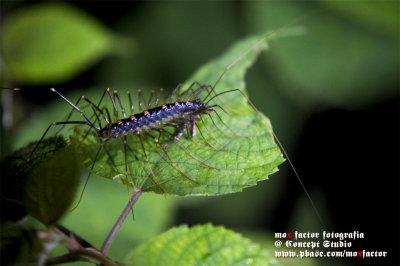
[185, 114]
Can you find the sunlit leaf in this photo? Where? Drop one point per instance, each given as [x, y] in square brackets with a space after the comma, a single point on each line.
[199, 245]
[233, 150]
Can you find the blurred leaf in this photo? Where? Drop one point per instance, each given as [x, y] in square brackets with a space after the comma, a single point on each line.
[236, 152]
[51, 42]
[205, 245]
[340, 61]
[382, 16]
[16, 170]
[51, 187]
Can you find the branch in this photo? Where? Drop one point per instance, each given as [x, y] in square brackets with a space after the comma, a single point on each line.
[107, 242]
[77, 238]
[82, 255]
[79, 249]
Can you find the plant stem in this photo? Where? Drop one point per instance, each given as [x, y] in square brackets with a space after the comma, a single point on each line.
[107, 243]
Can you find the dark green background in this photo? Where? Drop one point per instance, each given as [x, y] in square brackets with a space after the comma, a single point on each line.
[331, 95]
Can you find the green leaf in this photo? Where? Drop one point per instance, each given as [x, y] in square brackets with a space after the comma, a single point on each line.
[379, 15]
[199, 245]
[51, 187]
[231, 151]
[51, 42]
[16, 170]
